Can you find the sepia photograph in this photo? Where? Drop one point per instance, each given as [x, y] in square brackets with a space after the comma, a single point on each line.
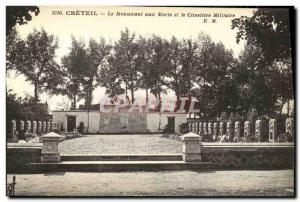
[150, 101]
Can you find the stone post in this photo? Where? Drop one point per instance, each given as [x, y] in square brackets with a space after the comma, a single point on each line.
[247, 131]
[51, 148]
[229, 131]
[22, 126]
[205, 129]
[237, 131]
[48, 127]
[44, 126]
[193, 127]
[39, 127]
[215, 131]
[209, 129]
[51, 126]
[58, 126]
[190, 127]
[13, 129]
[34, 127]
[28, 126]
[289, 127]
[272, 130]
[258, 130]
[221, 129]
[200, 128]
[191, 147]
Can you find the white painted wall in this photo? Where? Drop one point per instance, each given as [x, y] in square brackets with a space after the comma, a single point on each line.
[153, 119]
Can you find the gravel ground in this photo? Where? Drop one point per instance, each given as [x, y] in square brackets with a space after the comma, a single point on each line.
[179, 183]
[121, 144]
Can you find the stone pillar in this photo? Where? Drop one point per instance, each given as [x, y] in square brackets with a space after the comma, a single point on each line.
[51, 126]
[34, 127]
[289, 127]
[39, 127]
[58, 126]
[258, 130]
[191, 147]
[48, 127]
[22, 126]
[193, 127]
[215, 131]
[13, 129]
[44, 126]
[28, 126]
[200, 128]
[247, 131]
[51, 148]
[190, 127]
[272, 130]
[229, 131]
[222, 128]
[205, 129]
[209, 129]
[237, 131]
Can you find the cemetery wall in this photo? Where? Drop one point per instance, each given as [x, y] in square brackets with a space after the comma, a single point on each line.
[18, 157]
[249, 155]
[227, 156]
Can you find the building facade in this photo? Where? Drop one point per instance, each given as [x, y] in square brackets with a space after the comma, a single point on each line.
[123, 121]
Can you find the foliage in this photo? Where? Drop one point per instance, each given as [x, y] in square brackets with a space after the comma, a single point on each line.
[124, 57]
[35, 60]
[215, 88]
[18, 108]
[81, 127]
[19, 15]
[184, 128]
[71, 73]
[269, 29]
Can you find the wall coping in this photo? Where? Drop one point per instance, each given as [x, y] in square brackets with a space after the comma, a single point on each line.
[247, 144]
[24, 145]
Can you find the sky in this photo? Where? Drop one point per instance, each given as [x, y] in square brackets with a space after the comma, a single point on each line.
[109, 26]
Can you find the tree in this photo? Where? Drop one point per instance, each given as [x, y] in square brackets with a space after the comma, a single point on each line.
[19, 15]
[158, 65]
[214, 86]
[109, 77]
[13, 45]
[144, 64]
[268, 32]
[181, 65]
[97, 53]
[35, 60]
[71, 72]
[257, 82]
[125, 55]
[269, 29]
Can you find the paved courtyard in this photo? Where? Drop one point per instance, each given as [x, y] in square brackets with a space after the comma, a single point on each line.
[179, 183]
[121, 144]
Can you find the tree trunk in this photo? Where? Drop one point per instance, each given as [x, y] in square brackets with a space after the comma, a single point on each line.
[126, 90]
[36, 95]
[147, 96]
[89, 96]
[132, 95]
[74, 102]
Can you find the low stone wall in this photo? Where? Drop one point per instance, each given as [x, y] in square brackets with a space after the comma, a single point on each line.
[227, 156]
[19, 156]
[249, 155]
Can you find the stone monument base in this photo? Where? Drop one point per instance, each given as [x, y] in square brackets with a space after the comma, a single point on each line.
[51, 158]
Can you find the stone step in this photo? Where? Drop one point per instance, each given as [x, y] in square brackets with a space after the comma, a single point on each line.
[118, 166]
[123, 157]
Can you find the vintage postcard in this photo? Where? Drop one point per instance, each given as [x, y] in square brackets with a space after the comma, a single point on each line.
[148, 101]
